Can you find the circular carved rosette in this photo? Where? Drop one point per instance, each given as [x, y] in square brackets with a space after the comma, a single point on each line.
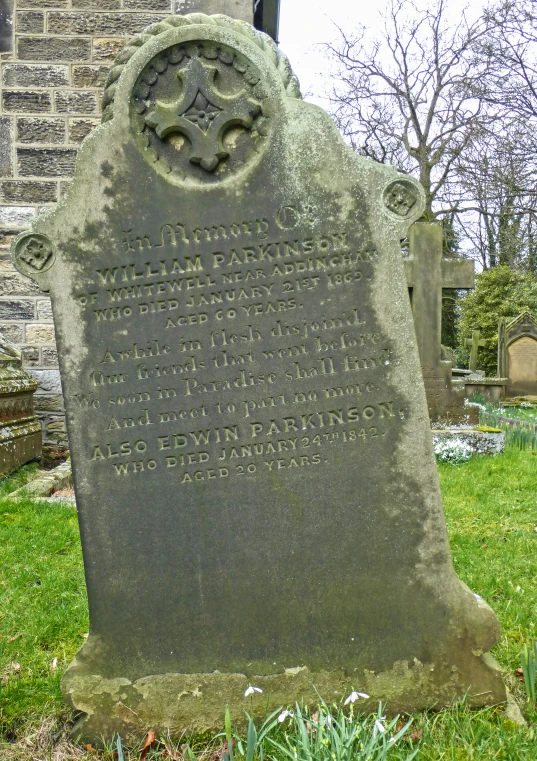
[33, 253]
[400, 197]
[197, 112]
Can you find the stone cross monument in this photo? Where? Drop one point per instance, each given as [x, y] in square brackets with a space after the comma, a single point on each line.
[474, 343]
[427, 272]
[248, 426]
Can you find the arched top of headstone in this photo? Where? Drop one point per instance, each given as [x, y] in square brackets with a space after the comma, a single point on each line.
[524, 324]
[182, 23]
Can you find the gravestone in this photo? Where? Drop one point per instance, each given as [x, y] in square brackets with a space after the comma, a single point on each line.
[20, 431]
[474, 343]
[256, 487]
[517, 354]
[427, 273]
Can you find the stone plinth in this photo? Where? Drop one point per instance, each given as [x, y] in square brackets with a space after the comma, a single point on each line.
[491, 388]
[20, 431]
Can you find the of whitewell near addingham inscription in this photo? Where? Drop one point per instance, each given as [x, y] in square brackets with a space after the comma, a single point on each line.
[257, 492]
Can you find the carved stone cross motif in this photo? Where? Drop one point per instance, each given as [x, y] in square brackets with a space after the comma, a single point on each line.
[203, 114]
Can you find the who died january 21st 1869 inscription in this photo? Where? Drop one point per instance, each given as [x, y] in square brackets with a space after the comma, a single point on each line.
[257, 492]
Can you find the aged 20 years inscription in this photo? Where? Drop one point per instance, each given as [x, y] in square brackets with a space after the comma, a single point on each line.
[254, 350]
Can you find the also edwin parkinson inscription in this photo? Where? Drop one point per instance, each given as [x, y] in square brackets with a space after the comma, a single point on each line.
[257, 492]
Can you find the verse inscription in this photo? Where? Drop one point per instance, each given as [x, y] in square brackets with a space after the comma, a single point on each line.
[263, 360]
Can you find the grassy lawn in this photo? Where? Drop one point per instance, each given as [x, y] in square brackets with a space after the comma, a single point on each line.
[491, 508]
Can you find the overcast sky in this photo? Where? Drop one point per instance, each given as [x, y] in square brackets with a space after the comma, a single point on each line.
[306, 24]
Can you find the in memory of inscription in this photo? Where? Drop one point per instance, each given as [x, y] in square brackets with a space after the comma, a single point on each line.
[247, 419]
[251, 281]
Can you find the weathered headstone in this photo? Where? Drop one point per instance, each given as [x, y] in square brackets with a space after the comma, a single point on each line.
[256, 486]
[427, 272]
[474, 343]
[20, 431]
[517, 354]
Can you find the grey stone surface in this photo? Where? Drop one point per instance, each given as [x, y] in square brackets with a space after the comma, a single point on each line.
[79, 128]
[90, 76]
[16, 216]
[30, 22]
[6, 144]
[26, 100]
[426, 274]
[28, 191]
[247, 420]
[40, 130]
[49, 381]
[17, 309]
[34, 48]
[6, 26]
[99, 23]
[75, 102]
[47, 162]
[14, 284]
[36, 75]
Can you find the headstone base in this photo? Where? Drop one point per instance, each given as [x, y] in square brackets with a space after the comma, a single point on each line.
[445, 396]
[178, 703]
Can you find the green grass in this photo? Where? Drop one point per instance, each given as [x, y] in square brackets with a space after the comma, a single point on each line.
[43, 607]
[490, 507]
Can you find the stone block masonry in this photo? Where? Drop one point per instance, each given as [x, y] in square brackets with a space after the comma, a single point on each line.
[52, 77]
[53, 71]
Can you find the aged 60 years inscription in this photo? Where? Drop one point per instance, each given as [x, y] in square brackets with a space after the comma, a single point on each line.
[256, 488]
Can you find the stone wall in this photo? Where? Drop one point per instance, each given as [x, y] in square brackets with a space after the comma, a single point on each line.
[52, 73]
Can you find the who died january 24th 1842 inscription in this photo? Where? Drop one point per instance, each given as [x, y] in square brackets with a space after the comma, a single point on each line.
[257, 492]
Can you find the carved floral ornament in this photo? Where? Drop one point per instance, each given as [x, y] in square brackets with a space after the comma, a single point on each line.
[197, 112]
[400, 197]
[33, 253]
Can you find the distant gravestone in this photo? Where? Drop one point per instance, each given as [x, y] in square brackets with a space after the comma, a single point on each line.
[517, 354]
[427, 273]
[20, 431]
[474, 343]
[256, 486]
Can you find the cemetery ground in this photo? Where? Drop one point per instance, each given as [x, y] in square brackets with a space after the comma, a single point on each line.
[492, 523]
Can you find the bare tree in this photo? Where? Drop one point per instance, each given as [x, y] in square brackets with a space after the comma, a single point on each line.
[413, 98]
[499, 173]
[512, 42]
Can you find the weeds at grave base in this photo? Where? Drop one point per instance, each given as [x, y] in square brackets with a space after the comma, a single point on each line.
[326, 733]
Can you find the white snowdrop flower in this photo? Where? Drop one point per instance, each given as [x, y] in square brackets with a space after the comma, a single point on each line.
[353, 697]
[54, 664]
[251, 690]
[284, 715]
[379, 726]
